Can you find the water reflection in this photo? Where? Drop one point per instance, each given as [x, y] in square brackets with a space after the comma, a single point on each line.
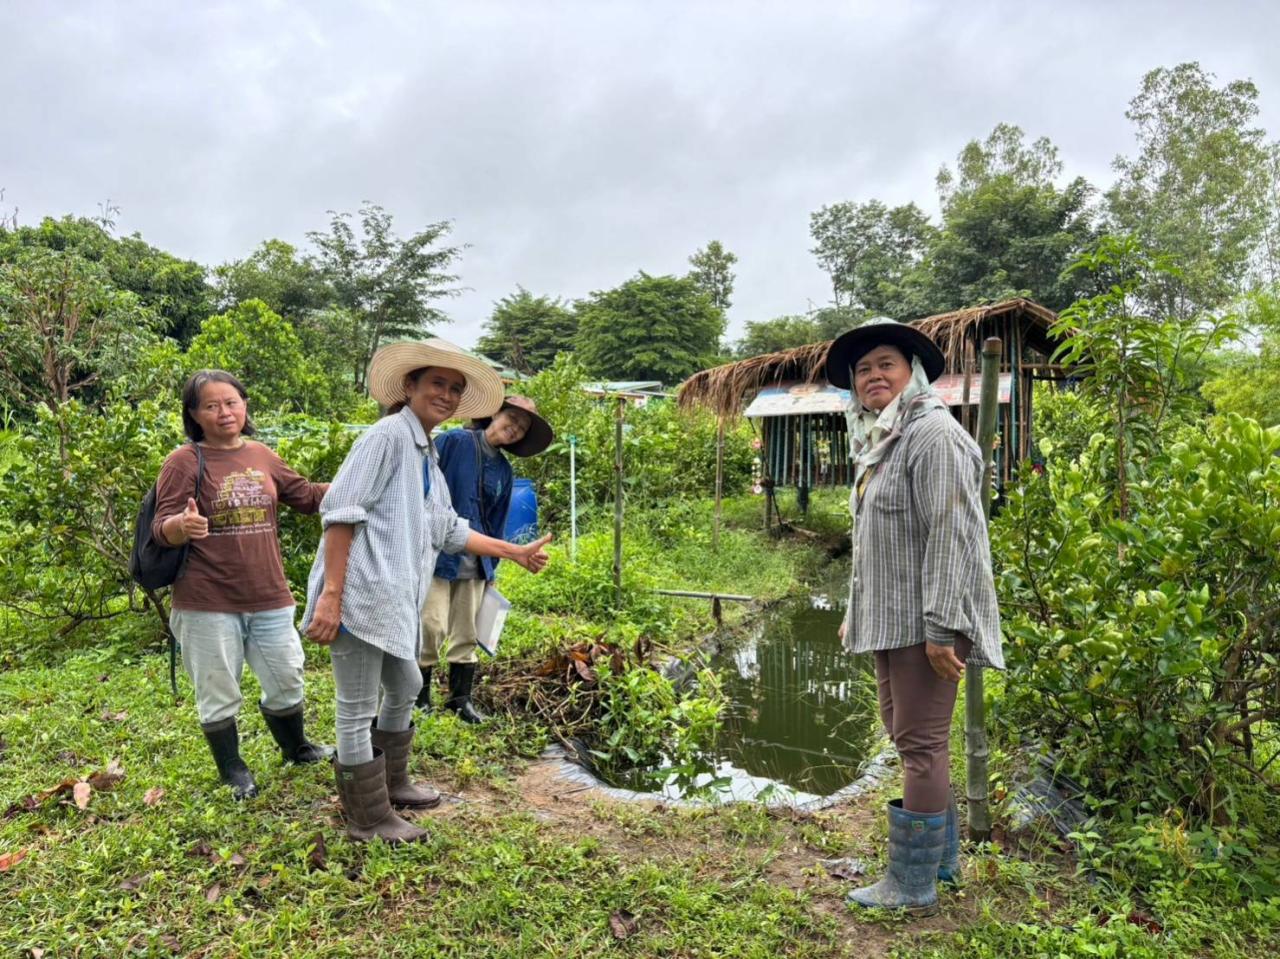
[801, 716]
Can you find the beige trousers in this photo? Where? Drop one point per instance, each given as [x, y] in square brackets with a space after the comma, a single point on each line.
[450, 614]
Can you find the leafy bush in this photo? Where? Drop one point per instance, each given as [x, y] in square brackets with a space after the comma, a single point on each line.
[1145, 648]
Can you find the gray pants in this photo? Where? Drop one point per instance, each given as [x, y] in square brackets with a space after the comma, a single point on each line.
[359, 670]
[215, 647]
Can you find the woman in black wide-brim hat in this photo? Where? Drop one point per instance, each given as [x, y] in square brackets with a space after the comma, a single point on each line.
[480, 479]
[921, 594]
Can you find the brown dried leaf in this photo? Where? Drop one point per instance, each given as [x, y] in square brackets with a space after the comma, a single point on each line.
[585, 671]
[846, 869]
[213, 892]
[109, 716]
[318, 855]
[36, 952]
[106, 778]
[81, 792]
[202, 850]
[623, 924]
[170, 941]
[10, 859]
[235, 859]
[153, 795]
[134, 882]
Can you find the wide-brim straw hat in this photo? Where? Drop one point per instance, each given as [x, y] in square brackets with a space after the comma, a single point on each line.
[537, 437]
[483, 393]
[850, 347]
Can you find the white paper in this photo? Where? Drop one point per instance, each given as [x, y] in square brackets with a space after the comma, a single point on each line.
[490, 619]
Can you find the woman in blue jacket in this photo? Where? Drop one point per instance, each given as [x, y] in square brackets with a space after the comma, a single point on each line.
[480, 481]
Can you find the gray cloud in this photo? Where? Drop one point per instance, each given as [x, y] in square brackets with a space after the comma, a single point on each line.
[572, 143]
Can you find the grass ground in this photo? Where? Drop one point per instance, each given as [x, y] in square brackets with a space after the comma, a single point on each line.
[162, 862]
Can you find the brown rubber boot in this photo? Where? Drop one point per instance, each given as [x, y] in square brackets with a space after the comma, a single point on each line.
[402, 793]
[362, 790]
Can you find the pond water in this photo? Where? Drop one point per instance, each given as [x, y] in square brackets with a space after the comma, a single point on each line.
[801, 718]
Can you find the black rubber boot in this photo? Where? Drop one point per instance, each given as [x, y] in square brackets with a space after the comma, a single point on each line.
[224, 743]
[461, 678]
[286, 729]
[423, 701]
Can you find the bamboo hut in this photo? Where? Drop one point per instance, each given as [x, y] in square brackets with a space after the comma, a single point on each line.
[804, 440]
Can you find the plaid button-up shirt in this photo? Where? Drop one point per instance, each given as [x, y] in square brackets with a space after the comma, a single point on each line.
[399, 532]
[922, 560]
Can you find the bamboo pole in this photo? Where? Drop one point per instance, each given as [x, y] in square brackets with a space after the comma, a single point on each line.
[975, 720]
[573, 497]
[715, 532]
[617, 502]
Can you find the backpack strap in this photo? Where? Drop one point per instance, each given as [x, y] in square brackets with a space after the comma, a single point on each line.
[173, 640]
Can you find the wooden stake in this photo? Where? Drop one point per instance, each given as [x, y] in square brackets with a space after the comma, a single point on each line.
[975, 719]
[715, 532]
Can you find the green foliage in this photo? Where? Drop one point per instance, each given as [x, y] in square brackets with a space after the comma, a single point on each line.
[173, 289]
[871, 253]
[528, 332]
[274, 273]
[67, 330]
[71, 494]
[650, 328]
[646, 723]
[1134, 364]
[786, 332]
[388, 285]
[1246, 381]
[1197, 190]
[667, 453]
[265, 352]
[1065, 422]
[712, 273]
[1142, 647]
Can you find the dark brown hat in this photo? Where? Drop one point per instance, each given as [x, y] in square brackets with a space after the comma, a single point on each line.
[861, 340]
[536, 439]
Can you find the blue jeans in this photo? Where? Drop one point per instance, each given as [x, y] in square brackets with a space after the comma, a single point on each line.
[215, 647]
[359, 670]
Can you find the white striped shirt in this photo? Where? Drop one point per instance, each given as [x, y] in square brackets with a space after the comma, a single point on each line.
[399, 532]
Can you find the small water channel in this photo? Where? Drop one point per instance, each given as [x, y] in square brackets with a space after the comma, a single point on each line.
[801, 719]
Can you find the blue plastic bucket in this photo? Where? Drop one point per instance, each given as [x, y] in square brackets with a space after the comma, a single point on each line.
[522, 516]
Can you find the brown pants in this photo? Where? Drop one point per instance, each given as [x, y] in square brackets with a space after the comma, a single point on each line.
[916, 706]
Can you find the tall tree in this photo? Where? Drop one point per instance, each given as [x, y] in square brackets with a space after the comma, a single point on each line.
[527, 332]
[713, 273]
[1007, 228]
[66, 329]
[871, 252]
[650, 328]
[1197, 188]
[175, 290]
[274, 273]
[388, 284]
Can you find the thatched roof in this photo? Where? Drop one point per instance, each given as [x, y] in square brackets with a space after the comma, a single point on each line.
[725, 389]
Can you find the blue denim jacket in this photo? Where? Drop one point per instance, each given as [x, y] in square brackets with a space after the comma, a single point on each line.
[459, 451]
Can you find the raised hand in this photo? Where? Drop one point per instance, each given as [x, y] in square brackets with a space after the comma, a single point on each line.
[194, 526]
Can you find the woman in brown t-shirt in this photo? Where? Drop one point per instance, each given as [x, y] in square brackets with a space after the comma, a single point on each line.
[231, 603]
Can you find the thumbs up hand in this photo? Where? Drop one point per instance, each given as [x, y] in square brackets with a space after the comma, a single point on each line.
[533, 557]
[194, 526]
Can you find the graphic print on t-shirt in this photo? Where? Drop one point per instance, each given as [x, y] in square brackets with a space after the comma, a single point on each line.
[241, 505]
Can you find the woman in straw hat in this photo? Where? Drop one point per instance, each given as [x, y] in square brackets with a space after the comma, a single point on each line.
[921, 596]
[386, 517]
[480, 478]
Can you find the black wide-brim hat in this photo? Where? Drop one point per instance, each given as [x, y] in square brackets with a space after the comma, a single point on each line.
[850, 347]
[536, 439]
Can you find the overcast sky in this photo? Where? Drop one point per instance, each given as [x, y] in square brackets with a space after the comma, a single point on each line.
[572, 143]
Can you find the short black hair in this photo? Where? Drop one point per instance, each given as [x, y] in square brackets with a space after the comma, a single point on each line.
[191, 399]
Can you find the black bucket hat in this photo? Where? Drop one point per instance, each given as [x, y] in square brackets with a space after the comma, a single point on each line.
[850, 347]
[536, 439]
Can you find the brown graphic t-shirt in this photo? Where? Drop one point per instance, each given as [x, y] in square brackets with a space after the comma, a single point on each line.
[237, 567]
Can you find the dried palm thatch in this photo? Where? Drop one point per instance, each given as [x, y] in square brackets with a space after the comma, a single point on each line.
[955, 332]
[725, 389]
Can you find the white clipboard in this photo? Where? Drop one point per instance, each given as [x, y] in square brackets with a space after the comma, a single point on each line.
[490, 619]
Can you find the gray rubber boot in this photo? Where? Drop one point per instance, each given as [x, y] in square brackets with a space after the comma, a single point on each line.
[402, 793]
[949, 867]
[362, 790]
[910, 883]
[286, 730]
[224, 743]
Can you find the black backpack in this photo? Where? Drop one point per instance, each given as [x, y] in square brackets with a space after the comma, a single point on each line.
[154, 565]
